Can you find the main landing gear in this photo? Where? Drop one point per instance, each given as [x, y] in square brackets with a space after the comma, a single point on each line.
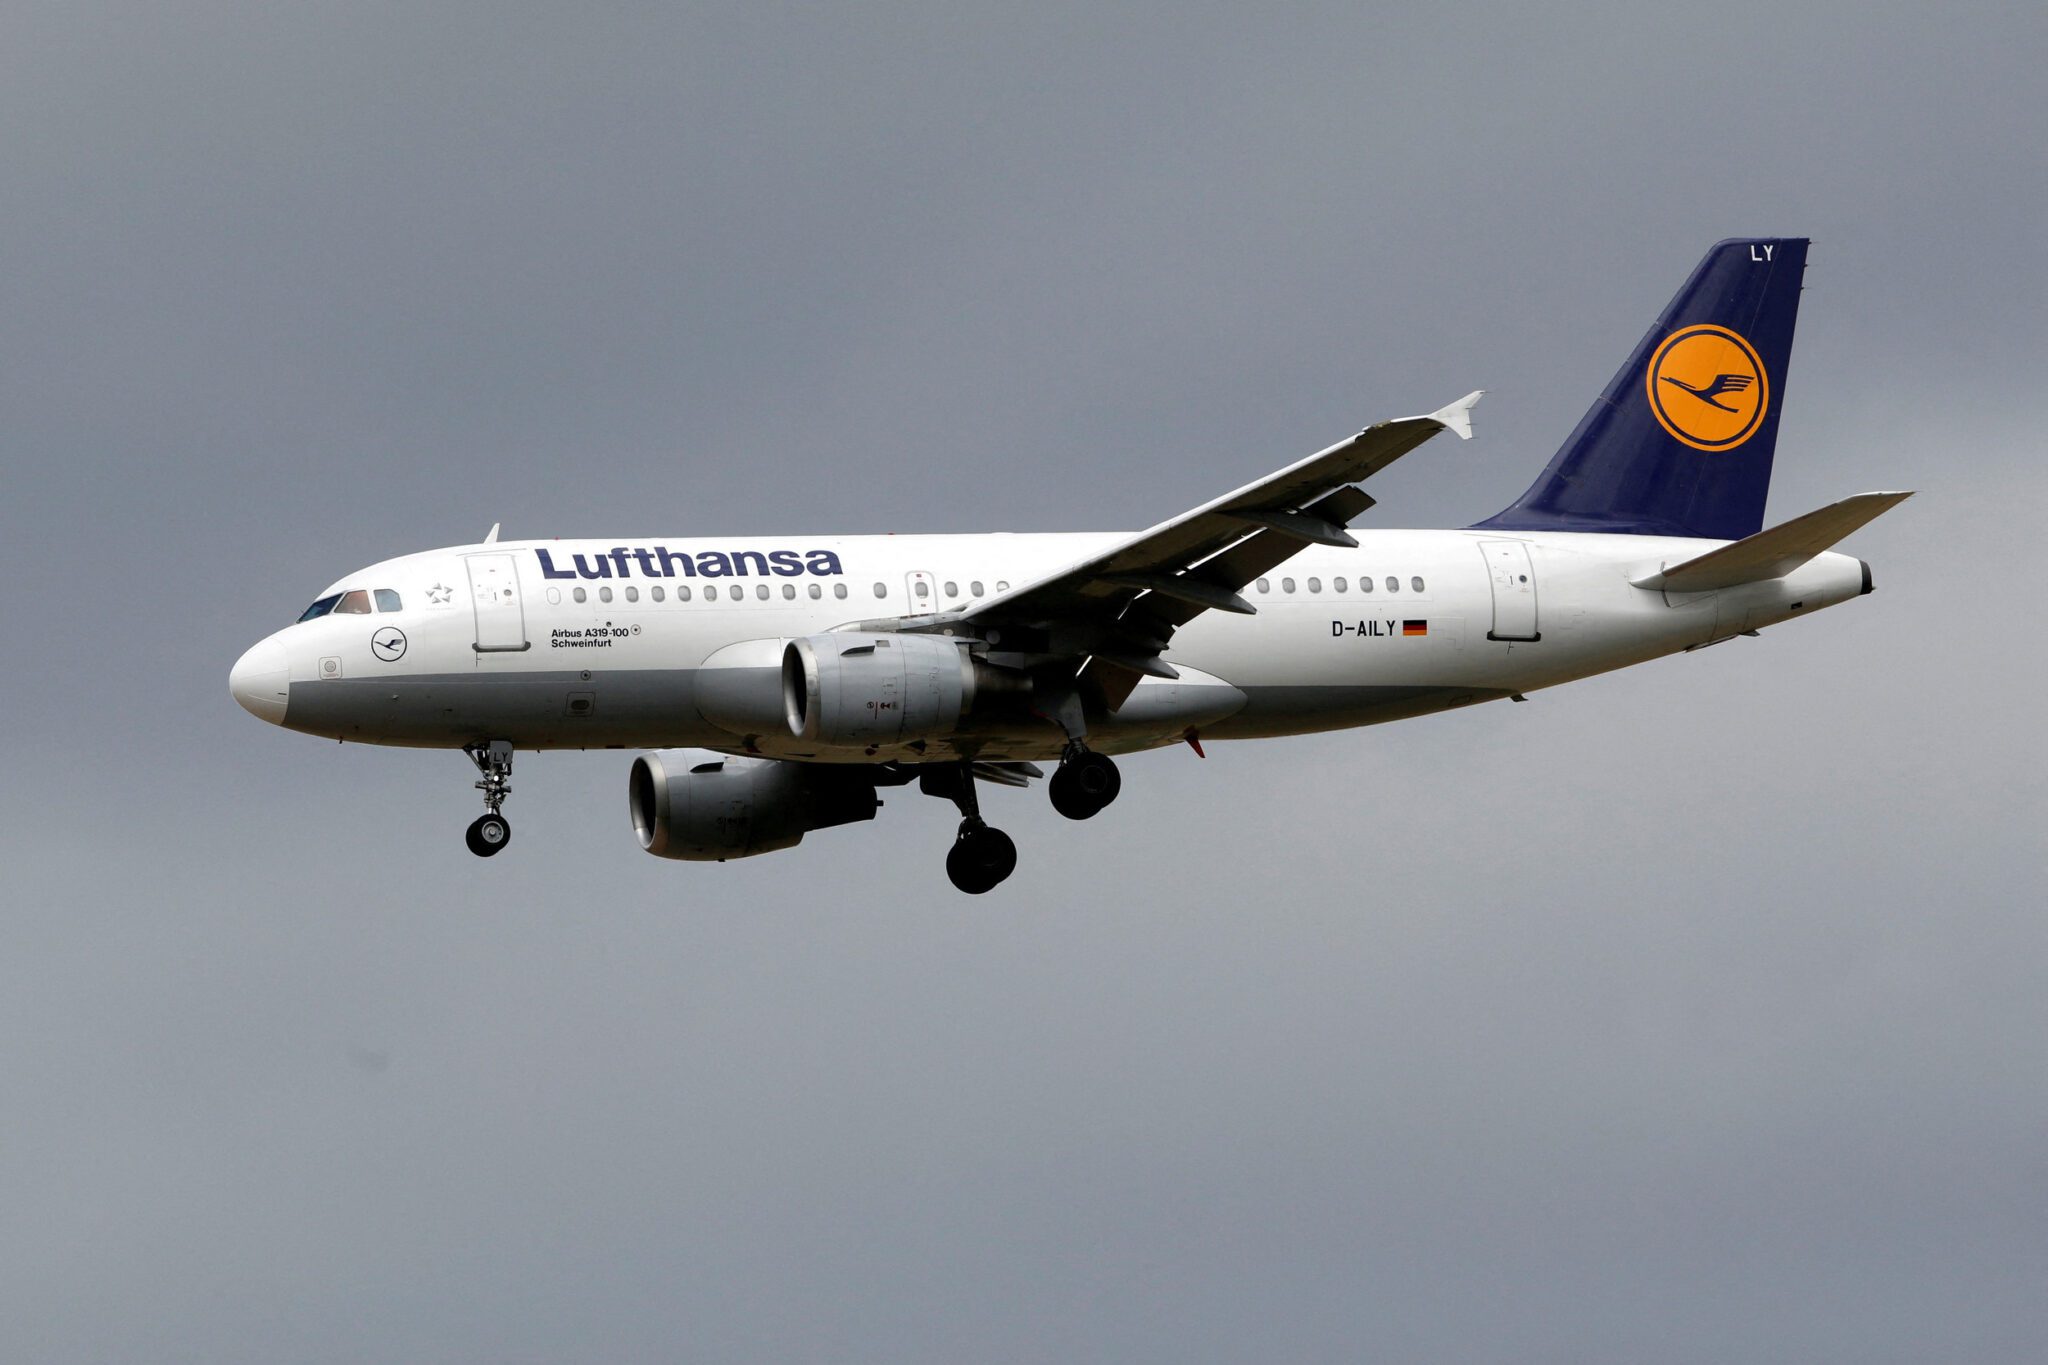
[1084, 782]
[490, 831]
[982, 857]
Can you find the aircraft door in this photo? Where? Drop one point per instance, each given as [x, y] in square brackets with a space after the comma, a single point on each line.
[500, 619]
[1514, 590]
[923, 591]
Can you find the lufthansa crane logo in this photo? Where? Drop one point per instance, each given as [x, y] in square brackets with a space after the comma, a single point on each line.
[1708, 388]
[388, 644]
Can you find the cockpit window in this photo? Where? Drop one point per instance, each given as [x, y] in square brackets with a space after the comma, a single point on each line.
[355, 603]
[387, 600]
[320, 608]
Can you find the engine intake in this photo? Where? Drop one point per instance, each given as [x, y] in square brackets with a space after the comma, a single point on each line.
[857, 690]
[707, 807]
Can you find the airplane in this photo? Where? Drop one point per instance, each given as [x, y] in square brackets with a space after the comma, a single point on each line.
[779, 685]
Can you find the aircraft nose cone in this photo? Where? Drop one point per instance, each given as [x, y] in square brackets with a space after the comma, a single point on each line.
[259, 681]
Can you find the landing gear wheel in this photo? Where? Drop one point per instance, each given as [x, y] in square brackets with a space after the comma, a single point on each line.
[981, 858]
[1084, 783]
[488, 834]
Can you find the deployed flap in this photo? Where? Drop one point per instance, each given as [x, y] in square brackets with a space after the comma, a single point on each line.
[1773, 553]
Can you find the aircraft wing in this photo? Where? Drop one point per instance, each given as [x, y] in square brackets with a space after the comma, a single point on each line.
[1120, 608]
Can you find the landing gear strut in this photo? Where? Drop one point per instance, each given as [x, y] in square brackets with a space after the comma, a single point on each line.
[982, 856]
[1084, 782]
[490, 831]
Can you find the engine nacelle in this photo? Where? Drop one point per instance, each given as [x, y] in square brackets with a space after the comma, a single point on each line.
[859, 689]
[708, 807]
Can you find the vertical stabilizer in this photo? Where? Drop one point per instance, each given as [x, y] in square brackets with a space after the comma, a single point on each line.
[1680, 442]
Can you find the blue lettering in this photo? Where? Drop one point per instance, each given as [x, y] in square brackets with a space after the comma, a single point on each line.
[661, 562]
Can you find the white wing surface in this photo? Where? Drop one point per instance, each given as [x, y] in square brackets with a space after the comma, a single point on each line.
[1119, 608]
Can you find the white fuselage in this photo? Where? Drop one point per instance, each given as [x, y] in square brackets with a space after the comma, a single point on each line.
[645, 643]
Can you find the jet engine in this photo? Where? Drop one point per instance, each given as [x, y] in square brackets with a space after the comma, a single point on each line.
[708, 807]
[855, 690]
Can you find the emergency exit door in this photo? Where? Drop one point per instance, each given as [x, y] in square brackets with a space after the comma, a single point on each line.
[1514, 589]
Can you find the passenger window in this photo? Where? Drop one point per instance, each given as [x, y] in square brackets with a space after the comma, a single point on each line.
[1393, 583]
[355, 603]
[632, 594]
[761, 591]
[1287, 585]
[1416, 584]
[604, 594]
[736, 592]
[682, 592]
[387, 600]
[922, 591]
[1365, 585]
[655, 592]
[881, 591]
[1265, 585]
[789, 591]
[839, 591]
[952, 589]
[320, 608]
[582, 596]
[974, 588]
[816, 592]
[1315, 585]
[1002, 587]
[1337, 585]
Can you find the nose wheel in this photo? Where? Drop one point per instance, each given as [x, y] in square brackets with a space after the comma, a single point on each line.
[1084, 783]
[490, 832]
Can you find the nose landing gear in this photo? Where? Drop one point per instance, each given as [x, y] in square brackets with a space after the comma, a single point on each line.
[490, 832]
[1084, 783]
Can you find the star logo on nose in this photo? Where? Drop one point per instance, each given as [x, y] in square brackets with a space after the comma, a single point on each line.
[439, 594]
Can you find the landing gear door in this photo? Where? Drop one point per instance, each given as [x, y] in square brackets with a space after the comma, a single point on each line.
[1514, 590]
[500, 619]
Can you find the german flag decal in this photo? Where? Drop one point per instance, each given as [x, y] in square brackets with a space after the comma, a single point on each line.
[1415, 627]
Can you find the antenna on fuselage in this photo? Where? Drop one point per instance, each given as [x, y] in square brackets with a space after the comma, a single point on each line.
[492, 538]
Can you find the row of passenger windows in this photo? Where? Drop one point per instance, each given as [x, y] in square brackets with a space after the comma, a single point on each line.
[353, 603]
[924, 589]
[738, 592]
[1365, 585]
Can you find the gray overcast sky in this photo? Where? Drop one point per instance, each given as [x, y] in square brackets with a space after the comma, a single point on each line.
[1695, 1013]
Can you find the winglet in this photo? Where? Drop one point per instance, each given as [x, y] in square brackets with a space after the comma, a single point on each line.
[492, 538]
[1458, 416]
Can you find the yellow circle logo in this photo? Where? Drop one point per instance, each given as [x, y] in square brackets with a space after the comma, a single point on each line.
[1708, 387]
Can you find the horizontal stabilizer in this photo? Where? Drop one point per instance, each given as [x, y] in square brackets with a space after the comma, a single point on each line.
[1773, 553]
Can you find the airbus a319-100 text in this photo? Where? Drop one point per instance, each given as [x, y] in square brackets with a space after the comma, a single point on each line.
[780, 684]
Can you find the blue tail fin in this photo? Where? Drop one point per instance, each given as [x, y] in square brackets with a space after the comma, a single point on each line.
[1680, 442]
